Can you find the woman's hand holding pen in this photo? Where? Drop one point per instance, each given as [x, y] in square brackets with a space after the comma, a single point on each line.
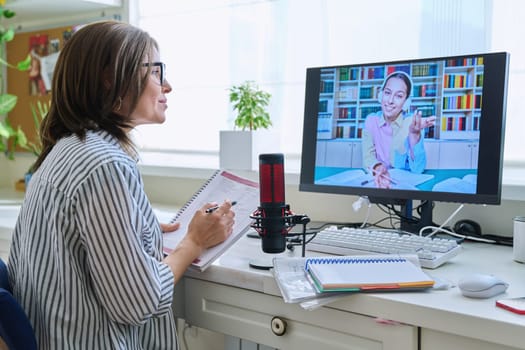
[208, 229]
[205, 230]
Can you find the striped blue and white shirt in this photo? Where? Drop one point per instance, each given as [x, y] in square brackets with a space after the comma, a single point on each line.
[85, 260]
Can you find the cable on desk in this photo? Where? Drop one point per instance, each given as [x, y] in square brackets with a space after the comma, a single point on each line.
[294, 239]
[438, 229]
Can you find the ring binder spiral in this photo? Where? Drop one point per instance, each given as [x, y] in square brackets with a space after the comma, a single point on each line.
[338, 260]
[195, 196]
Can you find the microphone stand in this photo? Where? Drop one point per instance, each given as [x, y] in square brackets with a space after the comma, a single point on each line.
[290, 220]
[303, 220]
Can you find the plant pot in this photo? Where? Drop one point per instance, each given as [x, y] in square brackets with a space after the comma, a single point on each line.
[239, 150]
[20, 185]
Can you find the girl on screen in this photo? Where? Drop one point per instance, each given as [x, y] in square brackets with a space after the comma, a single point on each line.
[391, 137]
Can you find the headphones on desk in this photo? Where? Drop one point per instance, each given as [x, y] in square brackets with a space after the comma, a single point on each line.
[467, 228]
[470, 229]
[408, 82]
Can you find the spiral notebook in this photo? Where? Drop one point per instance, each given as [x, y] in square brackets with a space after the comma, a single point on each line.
[359, 273]
[222, 185]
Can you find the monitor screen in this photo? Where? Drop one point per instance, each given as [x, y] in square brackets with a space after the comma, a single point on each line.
[422, 129]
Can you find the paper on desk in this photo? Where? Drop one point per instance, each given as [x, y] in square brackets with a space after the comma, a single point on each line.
[294, 283]
[352, 177]
[291, 278]
[401, 179]
[467, 184]
[316, 303]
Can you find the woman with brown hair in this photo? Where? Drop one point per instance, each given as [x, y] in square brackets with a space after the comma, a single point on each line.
[86, 259]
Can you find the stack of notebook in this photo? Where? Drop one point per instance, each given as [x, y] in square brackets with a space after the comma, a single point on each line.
[302, 279]
[354, 274]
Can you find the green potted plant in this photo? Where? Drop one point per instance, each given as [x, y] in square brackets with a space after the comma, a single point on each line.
[10, 137]
[38, 112]
[250, 103]
[239, 148]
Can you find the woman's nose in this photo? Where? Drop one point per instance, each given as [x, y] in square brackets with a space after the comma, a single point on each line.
[166, 87]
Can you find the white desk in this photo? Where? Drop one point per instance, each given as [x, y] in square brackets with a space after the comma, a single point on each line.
[232, 298]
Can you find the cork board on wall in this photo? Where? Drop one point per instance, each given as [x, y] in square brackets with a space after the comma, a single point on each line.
[33, 85]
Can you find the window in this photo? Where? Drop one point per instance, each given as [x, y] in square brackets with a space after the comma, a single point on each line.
[507, 33]
[209, 45]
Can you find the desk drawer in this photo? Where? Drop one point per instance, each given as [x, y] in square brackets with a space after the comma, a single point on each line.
[248, 315]
[434, 340]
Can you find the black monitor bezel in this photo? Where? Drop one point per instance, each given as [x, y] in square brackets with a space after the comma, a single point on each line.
[491, 140]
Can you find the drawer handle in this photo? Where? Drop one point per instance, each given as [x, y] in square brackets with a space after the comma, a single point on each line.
[278, 326]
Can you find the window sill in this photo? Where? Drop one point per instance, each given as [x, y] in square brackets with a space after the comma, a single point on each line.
[201, 166]
[179, 164]
[513, 181]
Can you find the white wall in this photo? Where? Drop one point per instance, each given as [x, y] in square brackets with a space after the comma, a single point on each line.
[12, 170]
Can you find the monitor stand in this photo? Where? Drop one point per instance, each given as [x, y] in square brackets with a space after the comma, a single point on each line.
[408, 222]
[416, 224]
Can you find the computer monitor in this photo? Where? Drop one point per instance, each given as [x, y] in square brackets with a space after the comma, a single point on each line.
[359, 121]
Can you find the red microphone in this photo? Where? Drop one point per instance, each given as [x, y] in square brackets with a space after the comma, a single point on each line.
[272, 218]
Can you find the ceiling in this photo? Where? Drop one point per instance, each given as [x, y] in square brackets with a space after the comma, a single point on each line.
[42, 10]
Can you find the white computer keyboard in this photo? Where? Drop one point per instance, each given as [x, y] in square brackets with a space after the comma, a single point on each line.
[432, 252]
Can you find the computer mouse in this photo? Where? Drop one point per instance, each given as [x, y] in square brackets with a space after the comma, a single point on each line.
[481, 286]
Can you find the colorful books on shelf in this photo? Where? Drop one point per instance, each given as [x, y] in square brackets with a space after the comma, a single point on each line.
[466, 101]
[347, 113]
[425, 90]
[327, 86]
[479, 80]
[396, 68]
[454, 123]
[366, 110]
[346, 132]
[456, 80]
[347, 73]
[369, 92]
[424, 70]
[370, 73]
[426, 110]
[453, 62]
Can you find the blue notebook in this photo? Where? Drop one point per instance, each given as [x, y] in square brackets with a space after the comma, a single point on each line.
[366, 273]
